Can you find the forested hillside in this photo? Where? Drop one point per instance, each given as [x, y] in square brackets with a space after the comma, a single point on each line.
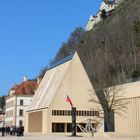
[110, 52]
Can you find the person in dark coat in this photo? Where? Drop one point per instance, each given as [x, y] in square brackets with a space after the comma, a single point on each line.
[3, 131]
[17, 129]
[14, 130]
[22, 130]
[6, 130]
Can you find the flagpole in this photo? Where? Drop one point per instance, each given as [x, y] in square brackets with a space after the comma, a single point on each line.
[73, 121]
[73, 114]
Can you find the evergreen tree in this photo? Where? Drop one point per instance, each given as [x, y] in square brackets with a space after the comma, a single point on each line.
[103, 14]
[2, 103]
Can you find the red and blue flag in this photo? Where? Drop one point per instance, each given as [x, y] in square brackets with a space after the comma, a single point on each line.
[69, 100]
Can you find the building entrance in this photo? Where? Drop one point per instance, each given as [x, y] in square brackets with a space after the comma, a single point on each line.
[35, 121]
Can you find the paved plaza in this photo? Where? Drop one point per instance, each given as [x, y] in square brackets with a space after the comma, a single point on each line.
[62, 137]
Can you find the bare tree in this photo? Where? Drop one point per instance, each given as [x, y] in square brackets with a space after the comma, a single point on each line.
[42, 72]
[112, 101]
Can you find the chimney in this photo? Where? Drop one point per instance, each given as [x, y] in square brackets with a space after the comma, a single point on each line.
[25, 78]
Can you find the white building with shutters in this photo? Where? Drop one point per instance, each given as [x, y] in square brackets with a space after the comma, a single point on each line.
[18, 101]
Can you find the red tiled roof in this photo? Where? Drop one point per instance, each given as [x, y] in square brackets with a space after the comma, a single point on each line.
[25, 88]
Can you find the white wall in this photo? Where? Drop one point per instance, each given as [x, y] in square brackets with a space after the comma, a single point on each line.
[26, 102]
[24, 107]
[128, 122]
[10, 120]
[16, 108]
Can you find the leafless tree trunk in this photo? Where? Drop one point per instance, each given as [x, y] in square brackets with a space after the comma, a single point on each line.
[111, 100]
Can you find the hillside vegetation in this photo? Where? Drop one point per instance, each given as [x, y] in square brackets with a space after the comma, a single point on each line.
[110, 52]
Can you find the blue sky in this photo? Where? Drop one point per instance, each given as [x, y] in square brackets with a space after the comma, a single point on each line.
[32, 31]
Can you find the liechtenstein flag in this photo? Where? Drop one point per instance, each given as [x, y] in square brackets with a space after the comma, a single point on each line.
[69, 100]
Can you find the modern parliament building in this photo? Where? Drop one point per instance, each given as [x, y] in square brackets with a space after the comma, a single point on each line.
[50, 113]
[127, 122]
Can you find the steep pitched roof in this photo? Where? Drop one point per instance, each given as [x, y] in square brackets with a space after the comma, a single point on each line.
[50, 84]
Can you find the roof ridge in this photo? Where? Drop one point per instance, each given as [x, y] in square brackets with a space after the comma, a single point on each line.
[61, 61]
[48, 87]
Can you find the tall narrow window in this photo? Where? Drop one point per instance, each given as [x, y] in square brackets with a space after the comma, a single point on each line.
[69, 113]
[20, 112]
[21, 102]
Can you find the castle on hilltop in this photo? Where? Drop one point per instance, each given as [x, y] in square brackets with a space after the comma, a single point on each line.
[108, 6]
